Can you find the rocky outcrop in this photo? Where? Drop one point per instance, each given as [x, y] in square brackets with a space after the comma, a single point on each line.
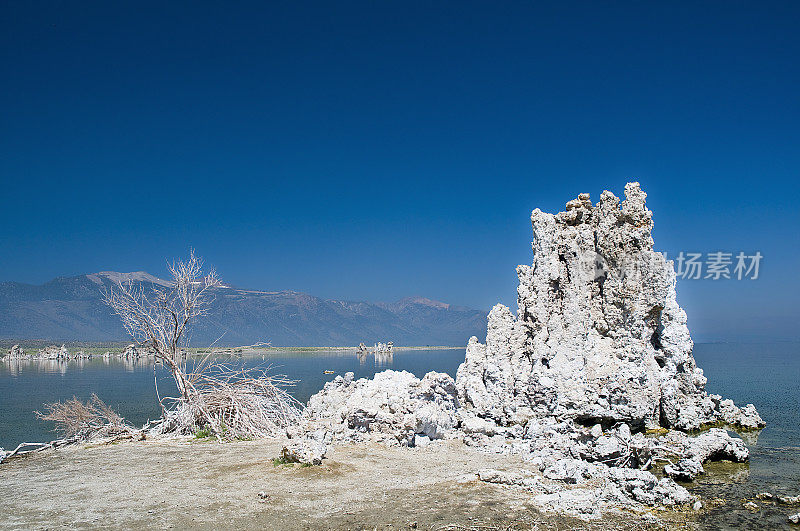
[304, 451]
[600, 486]
[789, 500]
[713, 445]
[130, 352]
[134, 352]
[16, 353]
[394, 407]
[53, 352]
[727, 412]
[598, 336]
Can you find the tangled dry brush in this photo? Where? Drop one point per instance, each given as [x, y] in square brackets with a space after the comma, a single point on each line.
[233, 402]
[79, 420]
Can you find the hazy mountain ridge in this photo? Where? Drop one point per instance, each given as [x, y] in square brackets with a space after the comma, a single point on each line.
[71, 308]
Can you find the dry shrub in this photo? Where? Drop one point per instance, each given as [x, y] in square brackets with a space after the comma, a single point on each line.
[234, 403]
[75, 419]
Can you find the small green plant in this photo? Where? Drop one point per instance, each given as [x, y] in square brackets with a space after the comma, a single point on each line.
[203, 433]
[277, 461]
[306, 465]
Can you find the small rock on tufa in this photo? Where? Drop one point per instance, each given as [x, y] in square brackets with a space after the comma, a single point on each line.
[750, 506]
[789, 500]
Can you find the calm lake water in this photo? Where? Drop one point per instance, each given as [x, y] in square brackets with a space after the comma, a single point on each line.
[767, 375]
[129, 388]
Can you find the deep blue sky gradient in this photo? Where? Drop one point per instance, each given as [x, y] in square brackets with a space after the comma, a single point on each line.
[381, 149]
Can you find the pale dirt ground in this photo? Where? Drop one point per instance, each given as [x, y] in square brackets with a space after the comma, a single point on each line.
[197, 484]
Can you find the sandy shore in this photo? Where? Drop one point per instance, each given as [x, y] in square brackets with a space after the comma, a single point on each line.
[199, 484]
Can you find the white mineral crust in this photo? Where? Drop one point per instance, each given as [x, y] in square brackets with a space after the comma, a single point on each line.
[394, 407]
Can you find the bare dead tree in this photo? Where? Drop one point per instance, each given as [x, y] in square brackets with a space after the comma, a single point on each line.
[232, 403]
[160, 317]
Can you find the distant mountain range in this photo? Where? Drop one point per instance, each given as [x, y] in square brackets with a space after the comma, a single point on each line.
[71, 308]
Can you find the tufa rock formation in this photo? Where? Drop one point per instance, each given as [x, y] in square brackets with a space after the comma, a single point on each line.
[395, 407]
[16, 353]
[598, 353]
[599, 336]
[53, 352]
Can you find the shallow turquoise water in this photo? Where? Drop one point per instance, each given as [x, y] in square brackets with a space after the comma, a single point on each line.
[767, 375]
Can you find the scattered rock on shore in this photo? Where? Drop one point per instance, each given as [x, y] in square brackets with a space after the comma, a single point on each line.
[304, 451]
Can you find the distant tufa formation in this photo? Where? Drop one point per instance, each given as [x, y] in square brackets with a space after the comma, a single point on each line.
[61, 354]
[599, 336]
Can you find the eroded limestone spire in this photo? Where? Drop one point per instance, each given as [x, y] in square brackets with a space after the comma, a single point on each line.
[598, 335]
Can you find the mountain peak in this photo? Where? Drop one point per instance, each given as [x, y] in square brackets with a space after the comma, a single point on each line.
[422, 301]
[135, 276]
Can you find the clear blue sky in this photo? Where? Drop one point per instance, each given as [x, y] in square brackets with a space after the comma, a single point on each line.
[382, 149]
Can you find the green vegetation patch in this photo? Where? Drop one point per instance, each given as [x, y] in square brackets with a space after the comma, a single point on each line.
[203, 433]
